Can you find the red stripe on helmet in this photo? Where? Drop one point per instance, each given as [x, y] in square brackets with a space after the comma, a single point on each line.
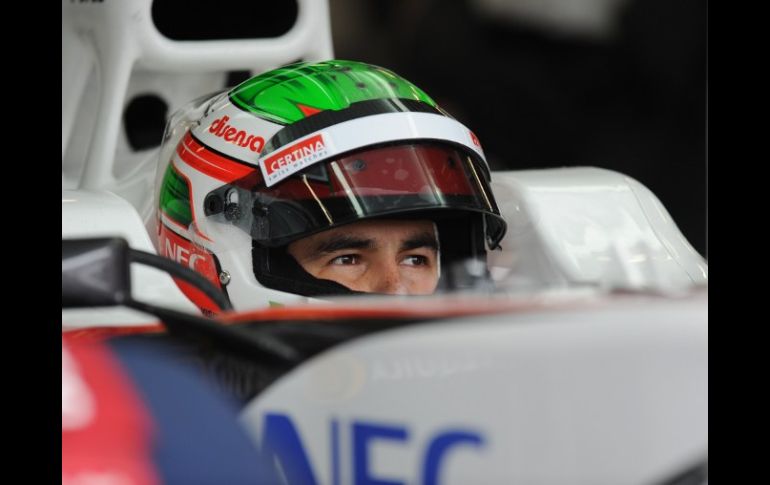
[204, 160]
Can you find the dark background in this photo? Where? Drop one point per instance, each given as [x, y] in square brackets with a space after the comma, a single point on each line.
[632, 100]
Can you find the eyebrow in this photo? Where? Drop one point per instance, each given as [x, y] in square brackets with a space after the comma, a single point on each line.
[337, 243]
[343, 242]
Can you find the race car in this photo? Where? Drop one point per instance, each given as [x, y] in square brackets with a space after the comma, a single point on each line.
[561, 387]
[584, 361]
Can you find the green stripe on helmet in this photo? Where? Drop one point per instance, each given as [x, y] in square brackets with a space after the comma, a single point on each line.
[175, 197]
[293, 92]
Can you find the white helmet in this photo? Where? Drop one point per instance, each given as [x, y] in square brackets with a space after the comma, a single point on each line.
[305, 148]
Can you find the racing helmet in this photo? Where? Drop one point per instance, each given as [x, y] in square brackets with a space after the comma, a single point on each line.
[305, 148]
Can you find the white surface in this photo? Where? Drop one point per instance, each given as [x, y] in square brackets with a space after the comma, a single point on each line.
[113, 49]
[102, 214]
[585, 225]
[615, 393]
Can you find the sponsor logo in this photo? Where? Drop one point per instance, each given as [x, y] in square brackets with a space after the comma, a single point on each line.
[197, 259]
[294, 158]
[220, 128]
[188, 254]
[182, 255]
[282, 441]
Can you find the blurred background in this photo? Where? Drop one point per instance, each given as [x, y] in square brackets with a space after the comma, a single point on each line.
[619, 84]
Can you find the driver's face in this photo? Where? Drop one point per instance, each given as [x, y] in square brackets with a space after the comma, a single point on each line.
[378, 256]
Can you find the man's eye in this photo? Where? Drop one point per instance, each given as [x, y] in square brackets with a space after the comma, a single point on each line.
[346, 259]
[416, 260]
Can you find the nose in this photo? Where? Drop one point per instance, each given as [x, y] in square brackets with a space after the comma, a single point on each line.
[386, 278]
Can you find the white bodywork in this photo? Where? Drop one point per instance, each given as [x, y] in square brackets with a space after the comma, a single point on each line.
[603, 391]
[590, 226]
[114, 50]
[104, 214]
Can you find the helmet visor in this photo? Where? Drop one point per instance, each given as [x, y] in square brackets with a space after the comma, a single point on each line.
[385, 181]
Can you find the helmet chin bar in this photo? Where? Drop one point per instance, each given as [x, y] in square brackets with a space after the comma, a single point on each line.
[275, 268]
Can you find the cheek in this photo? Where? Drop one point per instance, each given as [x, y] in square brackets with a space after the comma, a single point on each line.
[340, 273]
[422, 282]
